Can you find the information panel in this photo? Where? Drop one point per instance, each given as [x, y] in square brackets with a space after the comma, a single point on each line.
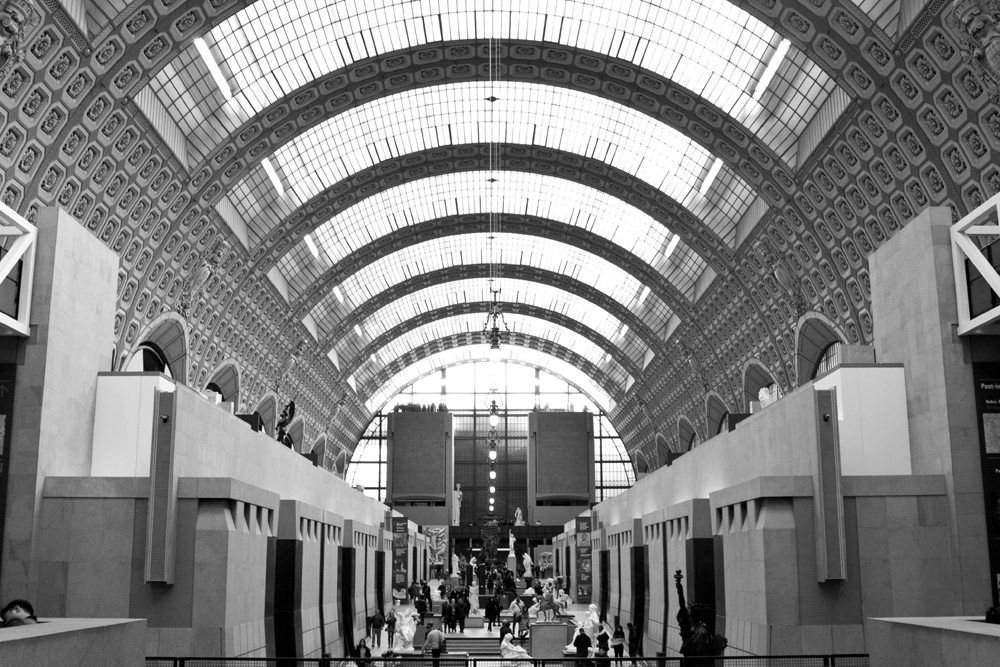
[400, 562]
[584, 561]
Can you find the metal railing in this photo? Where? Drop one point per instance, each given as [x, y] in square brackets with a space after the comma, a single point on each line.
[446, 660]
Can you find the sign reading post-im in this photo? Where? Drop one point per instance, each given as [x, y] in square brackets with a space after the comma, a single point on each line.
[987, 379]
[584, 561]
[400, 551]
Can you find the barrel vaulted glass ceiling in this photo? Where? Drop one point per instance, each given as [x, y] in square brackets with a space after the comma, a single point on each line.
[462, 324]
[471, 249]
[546, 197]
[532, 115]
[510, 353]
[515, 291]
[273, 47]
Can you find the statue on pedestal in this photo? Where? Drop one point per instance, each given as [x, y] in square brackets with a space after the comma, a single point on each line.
[518, 517]
[456, 505]
[454, 565]
[510, 538]
[696, 636]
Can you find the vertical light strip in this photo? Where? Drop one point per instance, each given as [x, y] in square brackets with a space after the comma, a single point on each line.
[337, 293]
[213, 68]
[645, 288]
[772, 69]
[671, 246]
[712, 173]
[273, 175]
[312, 248]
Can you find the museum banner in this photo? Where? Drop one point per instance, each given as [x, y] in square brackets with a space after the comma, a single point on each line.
[400, 560]
[584, 562]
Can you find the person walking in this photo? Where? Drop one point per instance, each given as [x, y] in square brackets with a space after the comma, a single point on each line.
[462, 612]
[618, 641]
[434, 641]
[633, 641]
[378, 622]
[390, 627]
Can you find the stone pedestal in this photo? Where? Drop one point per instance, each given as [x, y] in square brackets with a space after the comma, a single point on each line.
[549, 639]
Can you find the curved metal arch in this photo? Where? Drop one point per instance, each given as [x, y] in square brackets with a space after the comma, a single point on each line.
[469, 224]
[556, 350]
[475, 157]
[482, 307]
[518, 271]
[623, 82]
[638, 89]
[518, 362]
[230, 363]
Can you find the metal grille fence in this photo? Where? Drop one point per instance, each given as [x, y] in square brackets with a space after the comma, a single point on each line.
[832, 660]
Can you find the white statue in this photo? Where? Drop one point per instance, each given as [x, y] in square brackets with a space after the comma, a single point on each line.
[510, 539]
[454, 565]
[456, 505]
[592, 623]
[406, 626]
[518, 517]
[526, 564]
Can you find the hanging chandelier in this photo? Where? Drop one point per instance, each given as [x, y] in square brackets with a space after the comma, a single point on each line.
[492, 332]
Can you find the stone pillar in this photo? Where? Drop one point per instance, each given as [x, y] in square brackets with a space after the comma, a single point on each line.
[72, 334]
[913, 303]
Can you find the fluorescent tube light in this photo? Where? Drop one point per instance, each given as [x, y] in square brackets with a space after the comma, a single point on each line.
[771, 70]
[712, 173]
[273, 175]
[312, 247]
[213, 67]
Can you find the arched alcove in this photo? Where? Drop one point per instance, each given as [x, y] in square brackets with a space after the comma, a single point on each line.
[756, 377]
[319, 449]
[296, 430]
[164, 343]
[641, 464]
[715, 414]
[816, 336]
[268, 410]
[662, 449]
[687, 436]
[340, 464]
[226, 381]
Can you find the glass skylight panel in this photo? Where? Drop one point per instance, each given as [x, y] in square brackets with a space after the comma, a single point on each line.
[514, 192]
[476, 290]
[537, 115]
[470, 249]
[513, 354]
[711, 47]
[462, 324]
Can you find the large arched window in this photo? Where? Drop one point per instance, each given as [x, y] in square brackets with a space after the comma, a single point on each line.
[817, 348]
[687, 435]
[148, 358]
[759, 386]
[715, 414]
[466, 389]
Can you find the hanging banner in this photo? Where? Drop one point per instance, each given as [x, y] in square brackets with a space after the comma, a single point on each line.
[584, 562]
[400, 551]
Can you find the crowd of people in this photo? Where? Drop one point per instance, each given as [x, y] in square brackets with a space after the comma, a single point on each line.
[496, 585]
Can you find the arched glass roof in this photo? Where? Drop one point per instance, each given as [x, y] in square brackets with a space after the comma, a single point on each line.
[509, 353]
[544, 296]
[273, 47]
[469, 249]
[461, 324]
[514, 192]
[525, 114]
